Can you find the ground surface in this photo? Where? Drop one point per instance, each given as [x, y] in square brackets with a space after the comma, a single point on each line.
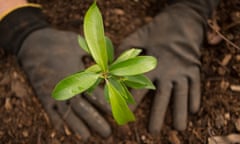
[23, 120]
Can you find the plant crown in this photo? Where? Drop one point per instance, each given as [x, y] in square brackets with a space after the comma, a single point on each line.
[126, 71]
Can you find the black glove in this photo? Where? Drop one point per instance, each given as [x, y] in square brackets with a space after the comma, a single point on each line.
[48, 55]
[174, 37]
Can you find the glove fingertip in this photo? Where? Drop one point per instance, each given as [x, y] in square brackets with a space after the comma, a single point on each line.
[195, 92]
[180, 126]
[194, 108]
[153, 129]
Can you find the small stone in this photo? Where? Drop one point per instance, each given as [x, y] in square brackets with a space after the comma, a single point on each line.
[25, 133]
[227, 116]
[118, 11]
[143, 137]
[53, 134]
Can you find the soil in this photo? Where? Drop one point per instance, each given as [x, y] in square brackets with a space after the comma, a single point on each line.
[24, 121]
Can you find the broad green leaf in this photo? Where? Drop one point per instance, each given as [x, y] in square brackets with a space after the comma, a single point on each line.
[134, 66]
[121, 113]
[94, 68]
[83, 44]
[128, 55]
[110, 49]
[122, 89]
[130, 99]
[92, 88]
[74, 84]
[106, 93]
[94, 35]
[138, 82]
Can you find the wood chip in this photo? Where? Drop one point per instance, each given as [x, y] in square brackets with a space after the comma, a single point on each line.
[53, 134]
[67, 131]
[8, 105]
[19, 89]
[227, 116]
[213, 38]
[235, 88]
[226, 59]
[173, 137]
[229, 139]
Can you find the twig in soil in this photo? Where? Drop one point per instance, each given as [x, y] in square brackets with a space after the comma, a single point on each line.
[39, 137]
[235, 88]
[137, 135]
[229, 139]
[210, 23]
[232, 25]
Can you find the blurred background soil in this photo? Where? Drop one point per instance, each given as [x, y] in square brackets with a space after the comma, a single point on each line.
[24, 121]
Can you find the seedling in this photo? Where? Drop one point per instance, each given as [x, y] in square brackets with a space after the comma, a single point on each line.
[117, 75]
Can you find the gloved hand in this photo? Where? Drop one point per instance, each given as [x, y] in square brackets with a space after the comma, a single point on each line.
[174, 37]
[47, 56]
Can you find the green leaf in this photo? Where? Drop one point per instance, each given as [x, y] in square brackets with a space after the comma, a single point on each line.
[94, 35]
[138, 82]
[130, 99]
[110, 49]
[94, 68]
[92, 88]
[134, 66]
[106, 93]
[74, 84]
[83, 44]
[128, 55]
[121, 113]
[122, 89]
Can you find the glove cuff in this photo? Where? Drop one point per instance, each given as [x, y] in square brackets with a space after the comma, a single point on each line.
[17, 24]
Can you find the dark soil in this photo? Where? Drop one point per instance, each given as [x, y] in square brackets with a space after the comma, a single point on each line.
[24, 121]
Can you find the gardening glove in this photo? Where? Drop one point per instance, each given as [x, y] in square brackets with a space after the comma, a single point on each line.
[48, 55]
[174, 37]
